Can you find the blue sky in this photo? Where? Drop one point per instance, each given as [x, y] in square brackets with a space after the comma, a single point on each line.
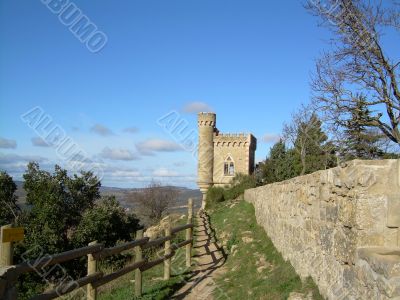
[249, 61]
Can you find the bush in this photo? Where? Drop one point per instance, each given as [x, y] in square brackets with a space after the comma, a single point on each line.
[214, 195]
[240, 183]
[64, 214]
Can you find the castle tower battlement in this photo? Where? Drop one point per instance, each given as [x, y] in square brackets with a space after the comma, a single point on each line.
[235, 140]
[207, 119]
[222, 155]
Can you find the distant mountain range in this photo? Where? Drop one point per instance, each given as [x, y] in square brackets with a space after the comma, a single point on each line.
[126, 199]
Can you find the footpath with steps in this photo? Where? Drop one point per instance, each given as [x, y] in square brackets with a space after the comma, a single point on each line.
[209, 259]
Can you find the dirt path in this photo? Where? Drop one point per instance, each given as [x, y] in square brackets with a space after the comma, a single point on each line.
[208, 259]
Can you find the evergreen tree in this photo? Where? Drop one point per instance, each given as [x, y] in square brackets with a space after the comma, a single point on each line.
[279, 165]
[359, 140]
[313, 151]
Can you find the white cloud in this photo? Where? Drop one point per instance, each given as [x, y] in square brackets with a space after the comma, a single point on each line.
[196, 107]
[39, 142]
[15, 164]
[164, 172]
[118, 154]
[7, 144]
[132, 130]
[101, 130]
[150, 146]
[15, 158]
[124, 174]
[271, 138]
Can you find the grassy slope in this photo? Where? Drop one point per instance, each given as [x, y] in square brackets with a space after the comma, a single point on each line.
[254, 268]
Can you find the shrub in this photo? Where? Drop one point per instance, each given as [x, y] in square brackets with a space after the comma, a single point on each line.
[214, 195]
[240, 183]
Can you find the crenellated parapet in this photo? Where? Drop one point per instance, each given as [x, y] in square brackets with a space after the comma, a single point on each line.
[206, 119]
[235, 140]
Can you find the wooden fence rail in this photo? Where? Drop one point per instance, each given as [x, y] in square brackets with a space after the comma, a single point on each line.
[96, 252]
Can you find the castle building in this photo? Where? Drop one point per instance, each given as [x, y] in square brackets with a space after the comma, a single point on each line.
[222, 156]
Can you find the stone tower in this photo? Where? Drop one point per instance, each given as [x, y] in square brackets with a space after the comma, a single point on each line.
[207, 126]
[222, 156]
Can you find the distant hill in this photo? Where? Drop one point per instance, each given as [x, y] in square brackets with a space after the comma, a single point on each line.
[125, 196]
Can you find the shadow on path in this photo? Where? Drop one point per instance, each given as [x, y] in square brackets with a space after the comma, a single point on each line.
[209, 260]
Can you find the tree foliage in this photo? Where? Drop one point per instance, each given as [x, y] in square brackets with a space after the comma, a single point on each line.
[280, 165]
[361, 141]
[9, 209]
[65, 212]
[239, 184]
[57, 205]
[107, 222]
[312, 148]
[309, 149]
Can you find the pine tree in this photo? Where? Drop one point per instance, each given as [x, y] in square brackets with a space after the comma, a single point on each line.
[313, 151]
[359, 140]
[279, 165]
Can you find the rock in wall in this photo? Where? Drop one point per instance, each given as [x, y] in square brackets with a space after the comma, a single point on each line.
[339, 226]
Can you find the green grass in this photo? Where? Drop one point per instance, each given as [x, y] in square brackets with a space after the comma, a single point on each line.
[254, 268]
[154, 287]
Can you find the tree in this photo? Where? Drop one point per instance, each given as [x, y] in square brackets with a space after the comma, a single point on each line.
[357, 62]
[154, 201]
[107, 222]
[57, 205]
[65, 213]
[359, 140]
[279, 165]
[312, 150]
[9, 209]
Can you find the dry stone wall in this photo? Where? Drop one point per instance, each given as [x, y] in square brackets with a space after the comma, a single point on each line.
[339, 226]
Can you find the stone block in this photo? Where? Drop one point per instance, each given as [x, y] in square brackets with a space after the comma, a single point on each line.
[344, 247]
[326, 238]
[347, 213]
[384, 261]
[391, 236]
[393, 211]
[332, 211]
[371, 213]
[390, 288]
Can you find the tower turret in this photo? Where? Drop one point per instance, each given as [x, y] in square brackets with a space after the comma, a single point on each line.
[207, 124]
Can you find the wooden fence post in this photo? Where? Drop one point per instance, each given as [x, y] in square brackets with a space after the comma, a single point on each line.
[189, 233]
[138, 272]
[167, 250]
[6, 251]
[91, 269]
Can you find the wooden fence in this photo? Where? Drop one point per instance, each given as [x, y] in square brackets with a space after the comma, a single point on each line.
[96, 252]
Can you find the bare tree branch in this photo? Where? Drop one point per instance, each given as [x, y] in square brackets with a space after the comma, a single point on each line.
[358, 63]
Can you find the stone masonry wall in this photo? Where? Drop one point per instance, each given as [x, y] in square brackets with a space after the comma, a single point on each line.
[339, 226]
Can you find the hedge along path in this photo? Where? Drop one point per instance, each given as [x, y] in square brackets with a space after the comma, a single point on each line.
[209, 261]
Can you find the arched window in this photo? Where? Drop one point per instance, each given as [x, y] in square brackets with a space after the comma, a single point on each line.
[229, 167]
